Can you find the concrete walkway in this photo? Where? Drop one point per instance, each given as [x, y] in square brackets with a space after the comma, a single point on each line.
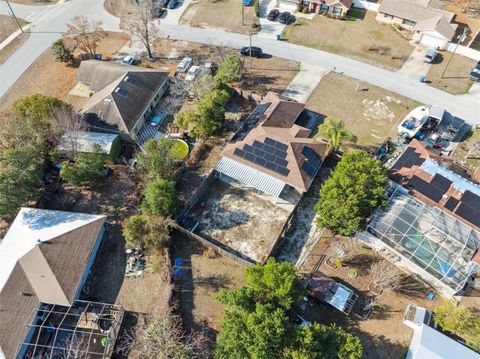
[415, 64]
[304, 83]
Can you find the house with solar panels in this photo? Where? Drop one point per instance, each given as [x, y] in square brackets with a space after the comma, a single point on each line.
[431, 225]
[274, 151]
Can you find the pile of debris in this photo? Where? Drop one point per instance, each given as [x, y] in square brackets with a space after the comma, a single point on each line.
[136, 262]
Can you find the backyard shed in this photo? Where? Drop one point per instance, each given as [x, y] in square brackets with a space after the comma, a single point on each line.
[85, 142]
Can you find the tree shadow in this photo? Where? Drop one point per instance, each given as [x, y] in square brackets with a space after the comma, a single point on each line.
[410, 287]
[362, 262]
[213, 282]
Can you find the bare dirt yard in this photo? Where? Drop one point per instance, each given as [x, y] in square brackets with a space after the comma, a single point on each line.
[220, 14]
[370, 112]
[203, 274]
[49, 77]
[362, 38]
[383, 331]
[248, 224]
[455, 80]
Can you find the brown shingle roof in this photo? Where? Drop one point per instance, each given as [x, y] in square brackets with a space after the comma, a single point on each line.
[278, 124]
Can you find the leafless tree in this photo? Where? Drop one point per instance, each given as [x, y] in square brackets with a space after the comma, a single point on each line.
[84, 34]
[71, 125]
[384, 275]
[142, 25]
[163, 337]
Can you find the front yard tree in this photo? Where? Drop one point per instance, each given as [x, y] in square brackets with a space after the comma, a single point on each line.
[142, 24]
[160, 198]
[20, 178]
[355, 189]
[61, 52]
[88, 168]
[157, 161]
[230, 70]
[335, 132]
[85, 35]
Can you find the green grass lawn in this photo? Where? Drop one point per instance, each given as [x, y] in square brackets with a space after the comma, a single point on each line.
[179, 150]
[360, 36]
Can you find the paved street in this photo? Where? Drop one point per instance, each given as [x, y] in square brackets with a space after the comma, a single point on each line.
[51, 22]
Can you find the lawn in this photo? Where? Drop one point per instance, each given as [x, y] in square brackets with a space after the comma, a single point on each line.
[455, 80]
[179, 150]
[8, 25]
[370, 112]
[362, 38]
[49, 77]
[467, 147]
[220, 14]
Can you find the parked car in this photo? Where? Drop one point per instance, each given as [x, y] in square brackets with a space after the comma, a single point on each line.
[209, 68]
[286, 18]
[192, 73]
[184, 64]
[431, 55]
[172, 4]
[253, 51]
[155, 121]
[474, 75]
[272, 15]
[128, 60]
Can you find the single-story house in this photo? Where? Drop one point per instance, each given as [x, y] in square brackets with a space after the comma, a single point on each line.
[273, 152]
[45, 260]
[331, 7]
[430, 25]
[123, 97]
[84, 142]
[428, 342]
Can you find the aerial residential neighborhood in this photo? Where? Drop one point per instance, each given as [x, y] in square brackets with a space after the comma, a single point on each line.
[239, 179]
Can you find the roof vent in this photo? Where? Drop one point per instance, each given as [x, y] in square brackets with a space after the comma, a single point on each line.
[445, 196]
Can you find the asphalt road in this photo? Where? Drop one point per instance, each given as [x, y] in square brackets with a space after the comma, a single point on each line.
[48, 25]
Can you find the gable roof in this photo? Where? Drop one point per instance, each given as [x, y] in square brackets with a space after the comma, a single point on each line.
[283, 148]
[419, 11]
[427, 177]
[43, 258]
[123, 92]
[345, 3]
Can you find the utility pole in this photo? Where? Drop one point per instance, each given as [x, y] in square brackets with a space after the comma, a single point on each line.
[250, 39]
[13, 14]
[460, 38]
[243, 14]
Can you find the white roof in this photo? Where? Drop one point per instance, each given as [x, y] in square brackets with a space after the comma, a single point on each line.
[250, 176]
[86, 140]
[32, 226]
[428, 342]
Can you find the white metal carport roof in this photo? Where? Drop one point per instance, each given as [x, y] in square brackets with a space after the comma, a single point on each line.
[250, 176]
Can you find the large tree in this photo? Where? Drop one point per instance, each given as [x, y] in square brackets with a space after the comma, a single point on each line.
[230, 70]
[20, 178]
[257, 321]
[352, 193]
[142, 24]
[335, 132]
[157, 160]
[84, 34]
[160, 198]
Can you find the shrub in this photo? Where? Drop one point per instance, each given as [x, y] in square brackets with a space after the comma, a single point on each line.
[61, 52]
[305, 10]
[148, 232]
[160, 198]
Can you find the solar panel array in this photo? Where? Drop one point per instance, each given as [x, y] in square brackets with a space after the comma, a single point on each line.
[469, 208]
[312, 161]
[270, 154]
[408, 159]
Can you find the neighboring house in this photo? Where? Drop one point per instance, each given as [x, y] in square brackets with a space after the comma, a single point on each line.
[428, 342]
[331, 7]
[431, 25]
[123, 97]
[84, 142]
[45, 260]
[273, 152]
[431, 224]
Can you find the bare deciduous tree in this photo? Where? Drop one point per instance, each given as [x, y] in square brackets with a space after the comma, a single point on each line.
[384, 275]
[163, 337]
[71, 125]
[142, 25]
[84, 34]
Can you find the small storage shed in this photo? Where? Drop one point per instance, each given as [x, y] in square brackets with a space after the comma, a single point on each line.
[85, 142]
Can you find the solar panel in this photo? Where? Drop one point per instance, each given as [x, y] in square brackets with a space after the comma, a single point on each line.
[270, 165]
[268, 149]
[426, 188]
[280, 153]
[249, 157]
[258, 152]
[469, 214]
[238, 152]
[283, 171]
[471, 199]
[441, 182]
[281, 162]
[260, 161]
[309, 169]
[258, 145]
[451, 203]
[248, 148]
[270, 157]
[269, 141]
[281, 146]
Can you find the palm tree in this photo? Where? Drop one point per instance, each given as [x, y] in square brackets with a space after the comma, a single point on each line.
[335, 132]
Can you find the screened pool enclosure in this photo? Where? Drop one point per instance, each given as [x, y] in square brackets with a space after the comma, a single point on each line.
[435, 241]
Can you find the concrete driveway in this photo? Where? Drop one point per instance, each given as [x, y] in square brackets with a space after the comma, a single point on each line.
[304, 83]
[271, 28]
[415, 64]
[172, 16]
